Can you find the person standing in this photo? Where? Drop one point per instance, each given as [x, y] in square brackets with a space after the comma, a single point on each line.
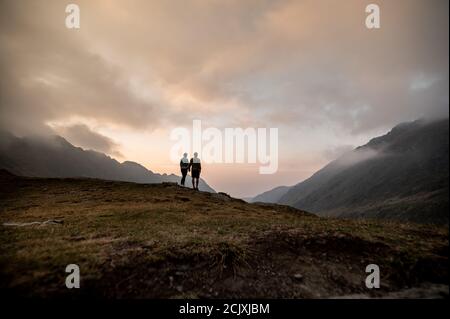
[196, 167]
[184, 166]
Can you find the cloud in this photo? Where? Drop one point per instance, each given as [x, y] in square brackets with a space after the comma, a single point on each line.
[50, 75]
[336, 152]
[359, 155]
[143, 63]
[81, 135]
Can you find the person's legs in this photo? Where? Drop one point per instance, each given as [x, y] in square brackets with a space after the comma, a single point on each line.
[183, 178]
[195, 175]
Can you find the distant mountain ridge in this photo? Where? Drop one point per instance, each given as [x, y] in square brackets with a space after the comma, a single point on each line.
[401, 175]
[56, 157]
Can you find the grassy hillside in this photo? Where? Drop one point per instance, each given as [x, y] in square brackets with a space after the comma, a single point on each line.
[164, 241]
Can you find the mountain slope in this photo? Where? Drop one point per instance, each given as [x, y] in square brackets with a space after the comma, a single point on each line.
[401, 175]
[165, 241]
[55, 157]
[271, 196]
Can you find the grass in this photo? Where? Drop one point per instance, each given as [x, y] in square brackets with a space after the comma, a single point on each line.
[129, 239]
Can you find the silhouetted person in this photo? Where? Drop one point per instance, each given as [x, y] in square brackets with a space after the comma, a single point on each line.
[196, 167]
[184, 166]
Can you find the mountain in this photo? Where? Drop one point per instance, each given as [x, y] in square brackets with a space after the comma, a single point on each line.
[271, 196]
[55, 157]
[402, 175]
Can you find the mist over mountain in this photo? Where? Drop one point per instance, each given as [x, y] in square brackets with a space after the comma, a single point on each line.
[401, 175]
[55, 157]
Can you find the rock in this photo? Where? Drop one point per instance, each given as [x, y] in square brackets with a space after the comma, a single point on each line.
[298, 276]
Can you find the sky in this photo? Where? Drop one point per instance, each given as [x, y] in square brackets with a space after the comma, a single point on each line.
[135, 70]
